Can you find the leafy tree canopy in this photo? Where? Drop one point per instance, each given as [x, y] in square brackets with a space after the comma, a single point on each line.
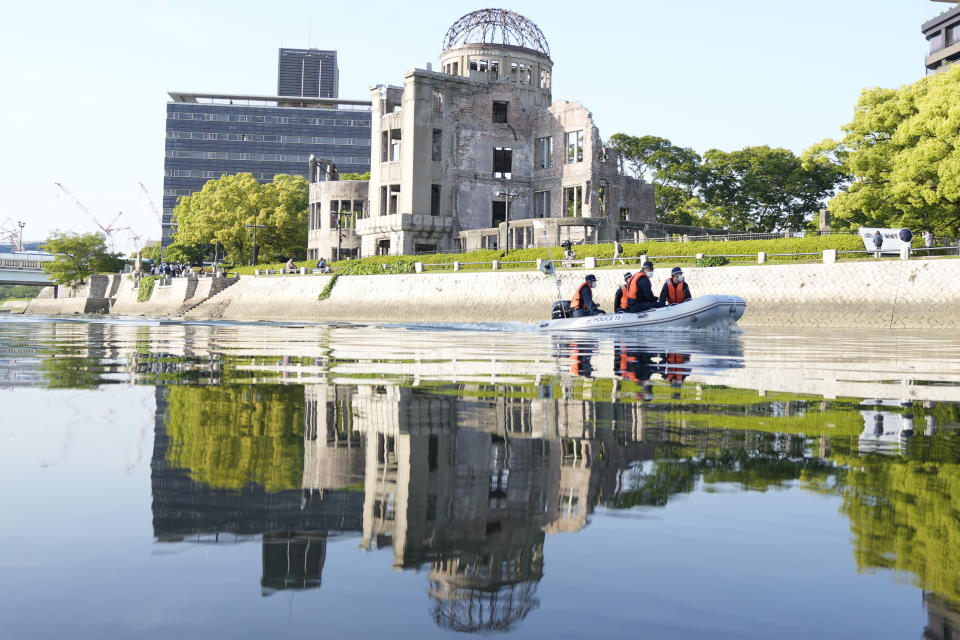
[902, 152]
[78, 257]
[355, 176]
[219, 212]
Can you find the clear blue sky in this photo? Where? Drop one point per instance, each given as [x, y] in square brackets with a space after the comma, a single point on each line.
[84, 84]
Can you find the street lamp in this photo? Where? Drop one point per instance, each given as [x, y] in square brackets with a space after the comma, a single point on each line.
[22, 225]
[508, 196]
[254, 227]
[340, 215]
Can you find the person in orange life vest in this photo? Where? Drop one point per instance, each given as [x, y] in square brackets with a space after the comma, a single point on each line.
[639, 296]
[621, 292]
[582, 303]
[675, 290]
[580, 355]
[674, 372]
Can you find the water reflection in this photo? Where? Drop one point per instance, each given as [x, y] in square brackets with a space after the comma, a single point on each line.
[462, 457]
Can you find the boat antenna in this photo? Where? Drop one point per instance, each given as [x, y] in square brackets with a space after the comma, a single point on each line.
[549, 268]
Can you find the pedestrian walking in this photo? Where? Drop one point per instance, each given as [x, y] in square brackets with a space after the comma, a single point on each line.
[618, 252]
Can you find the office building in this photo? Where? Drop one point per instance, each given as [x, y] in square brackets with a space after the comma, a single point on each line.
[943, 38]
[209, 135]
[308, 73]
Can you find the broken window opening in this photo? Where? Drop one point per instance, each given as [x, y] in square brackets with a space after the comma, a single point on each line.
[437, 101]
[384, 146]
[482, 66]
[602, 198]
[455, 68]
[544, 152]
[394, 145]
[573, 201]
[575, 146]
[434, 199]
[500, 111]
[541, 204]
[503, 163]
[494, 69]
[437, 145]
[394, 198]
[383, 200]
[498, 212]
[358, 209]
[544, 79]
[473, 65]
[624, 213]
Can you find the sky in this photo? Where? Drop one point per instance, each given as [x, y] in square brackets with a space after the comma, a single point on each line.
[84, 85]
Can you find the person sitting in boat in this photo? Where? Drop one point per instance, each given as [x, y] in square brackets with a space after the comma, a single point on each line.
[582, 303]
[675, 290]
[621, 292]
[639, 295]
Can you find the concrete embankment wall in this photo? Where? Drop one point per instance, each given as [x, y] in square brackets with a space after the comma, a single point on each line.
[889, 293]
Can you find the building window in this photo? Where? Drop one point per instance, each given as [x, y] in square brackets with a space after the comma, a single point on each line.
[624, 213]
[434, 199]
[544, 79]
[494, 69]
[455, 68]
[602, 197]
[383, 201]
[541, 204]
[394, 145]
[502, 163]
[573, 201]
[498, 212]
[437, 145]
[358, 209]
[384, 146]
[575, 146]
[543, 150]
[437, 101]
[473, 65]
[500, 111]
[482, 66]
[394, 198]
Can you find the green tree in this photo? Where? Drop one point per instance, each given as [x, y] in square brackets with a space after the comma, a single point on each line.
[78, 257]
[764, 189]
[902, 149]
[17, 292]
[674, 172]
[355, 176]
[219, 212]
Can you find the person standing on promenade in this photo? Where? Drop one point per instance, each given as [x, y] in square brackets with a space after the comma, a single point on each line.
[877, 243]
[618, 252]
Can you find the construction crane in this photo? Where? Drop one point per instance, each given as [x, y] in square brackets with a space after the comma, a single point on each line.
[107, 230]
[153, 205]
[9, 233]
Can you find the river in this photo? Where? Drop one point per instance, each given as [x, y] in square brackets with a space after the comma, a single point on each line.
[358, 481]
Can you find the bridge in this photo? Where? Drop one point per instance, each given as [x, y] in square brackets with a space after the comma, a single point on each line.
[24, 268]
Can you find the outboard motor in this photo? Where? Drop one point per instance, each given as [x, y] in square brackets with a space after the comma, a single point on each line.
[561, 309]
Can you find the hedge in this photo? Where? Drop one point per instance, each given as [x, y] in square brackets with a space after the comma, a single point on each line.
[145, 290]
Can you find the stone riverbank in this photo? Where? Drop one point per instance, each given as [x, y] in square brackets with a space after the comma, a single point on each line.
[916, 293]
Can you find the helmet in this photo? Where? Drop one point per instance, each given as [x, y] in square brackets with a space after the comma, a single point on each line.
[647, 265]
[627, 275]
[590, 277]
[675, 271]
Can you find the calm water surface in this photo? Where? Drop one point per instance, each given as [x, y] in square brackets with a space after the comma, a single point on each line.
[263, 480]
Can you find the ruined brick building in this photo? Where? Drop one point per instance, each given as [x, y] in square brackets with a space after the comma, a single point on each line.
[478, 155]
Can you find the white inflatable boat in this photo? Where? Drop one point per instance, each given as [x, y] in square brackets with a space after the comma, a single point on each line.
[711, 312]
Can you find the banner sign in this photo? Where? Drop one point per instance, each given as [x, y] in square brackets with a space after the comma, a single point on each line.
[893, 239]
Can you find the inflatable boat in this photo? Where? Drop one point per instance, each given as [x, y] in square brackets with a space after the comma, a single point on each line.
[711, 312]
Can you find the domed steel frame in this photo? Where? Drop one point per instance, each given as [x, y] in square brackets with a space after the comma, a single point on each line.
[496, 26]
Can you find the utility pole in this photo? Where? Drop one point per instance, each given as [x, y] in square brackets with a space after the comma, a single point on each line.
[254, 227]
[21, 225]
[508, 196]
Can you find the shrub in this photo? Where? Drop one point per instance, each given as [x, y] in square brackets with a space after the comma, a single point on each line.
[145, 290]
[711, 261]
[329, 288]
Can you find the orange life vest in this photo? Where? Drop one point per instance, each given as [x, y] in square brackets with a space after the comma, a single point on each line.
[632, 291]
[576, 301]
[675, 292]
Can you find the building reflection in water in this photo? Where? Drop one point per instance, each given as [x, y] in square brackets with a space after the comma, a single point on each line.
[468, 479]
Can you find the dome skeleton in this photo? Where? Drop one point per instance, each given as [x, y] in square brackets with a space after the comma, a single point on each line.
[496, 26]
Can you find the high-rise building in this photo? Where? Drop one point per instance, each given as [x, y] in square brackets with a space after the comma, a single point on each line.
[309, 73]
[209, 135]
[943, 37]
